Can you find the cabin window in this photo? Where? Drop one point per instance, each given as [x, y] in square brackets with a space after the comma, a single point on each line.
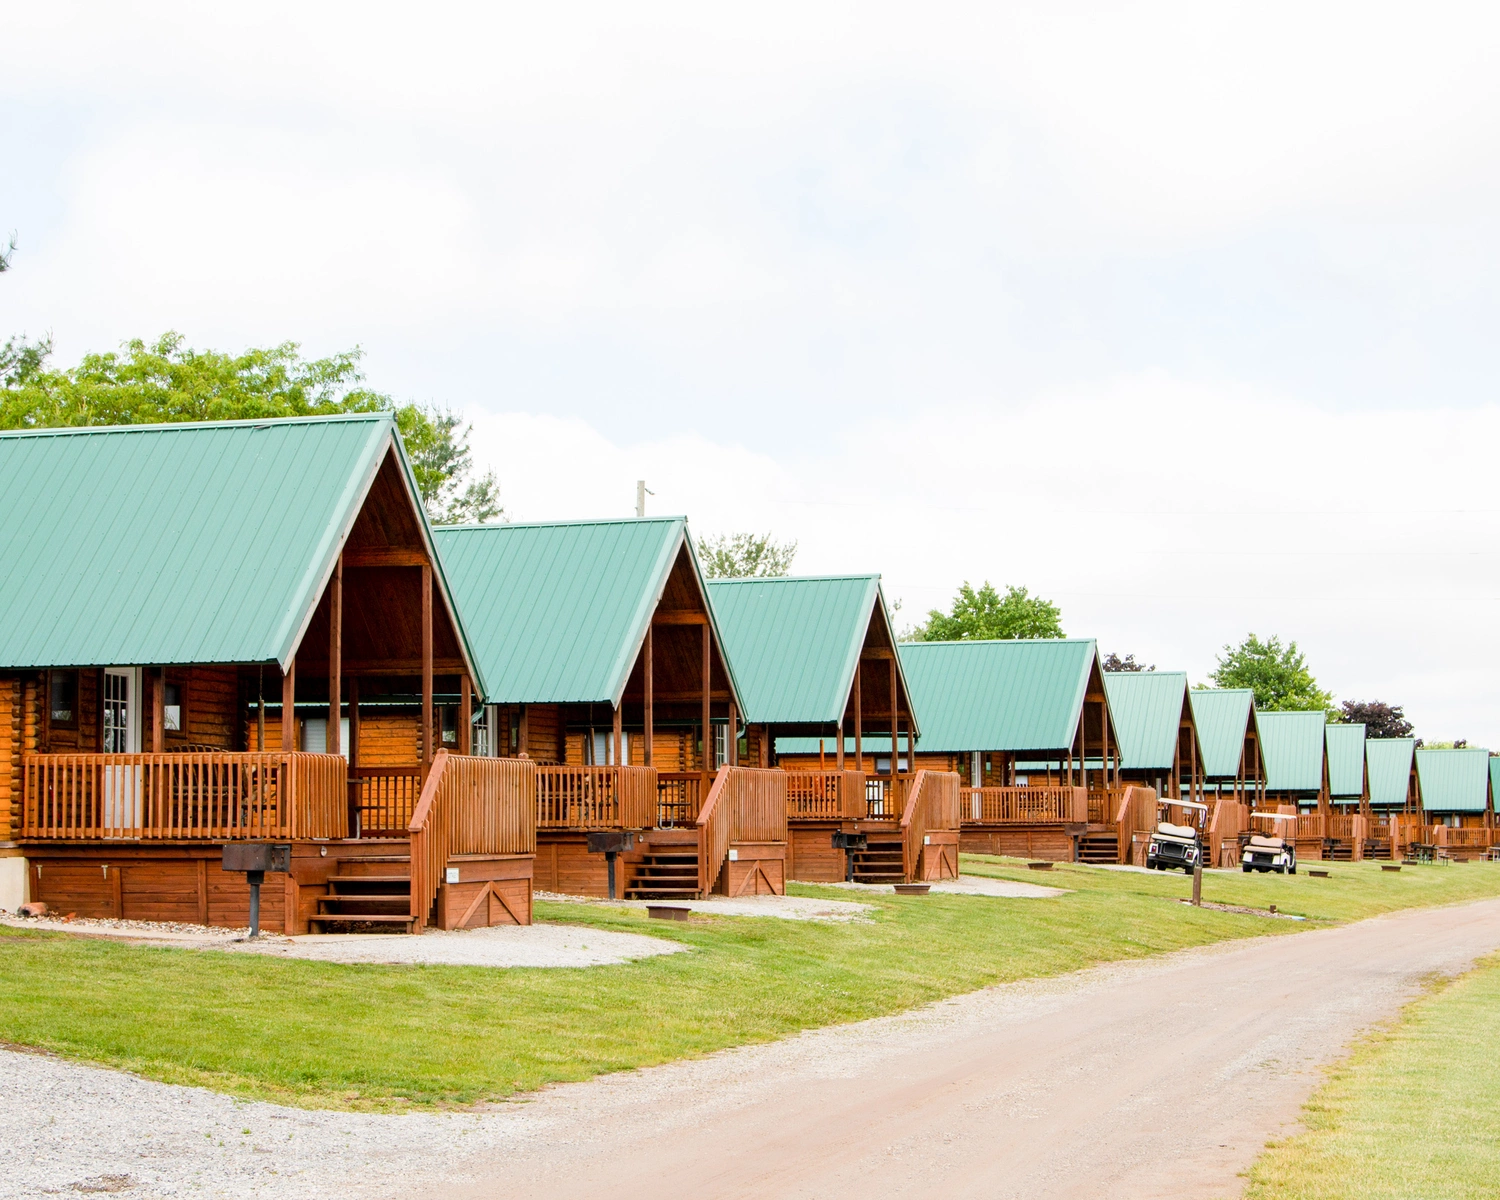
[448, 727]
[315, 735]
[721, 745]
[482, 732]
[172, 707]
[602, 748]
[883, 765]
[64, 699]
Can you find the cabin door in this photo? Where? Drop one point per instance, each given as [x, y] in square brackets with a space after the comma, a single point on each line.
[122, 735]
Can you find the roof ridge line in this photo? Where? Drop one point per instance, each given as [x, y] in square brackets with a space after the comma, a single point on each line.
[238, 423]
[470, 526]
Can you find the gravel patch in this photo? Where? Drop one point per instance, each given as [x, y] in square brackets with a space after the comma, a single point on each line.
[969, 885]
[546, 945]
[789, 908]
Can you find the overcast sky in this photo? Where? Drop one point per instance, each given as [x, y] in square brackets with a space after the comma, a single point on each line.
[1182, 315]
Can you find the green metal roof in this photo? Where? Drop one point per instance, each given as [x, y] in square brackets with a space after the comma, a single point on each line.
[1454, 780]
[795, 642]
[873, 743]
[557, 611]
[1291, 743]
[1146, 709]
[1222, 717]
[190, 543]
[1346, 759]
[999, 695]
[1388, 762]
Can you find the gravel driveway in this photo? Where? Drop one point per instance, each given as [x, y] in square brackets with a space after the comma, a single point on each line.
[1068, 1087]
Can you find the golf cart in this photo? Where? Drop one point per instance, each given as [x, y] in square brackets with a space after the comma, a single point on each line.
[1177, 846]
[1270, 852]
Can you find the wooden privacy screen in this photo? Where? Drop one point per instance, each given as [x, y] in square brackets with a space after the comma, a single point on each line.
[931, 806]
[217, 796]
[745, 804]
[468, 806]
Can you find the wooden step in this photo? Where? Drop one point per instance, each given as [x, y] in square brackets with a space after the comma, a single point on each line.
[359, 919]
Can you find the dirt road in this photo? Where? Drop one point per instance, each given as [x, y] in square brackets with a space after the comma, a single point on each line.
[1157, 1079]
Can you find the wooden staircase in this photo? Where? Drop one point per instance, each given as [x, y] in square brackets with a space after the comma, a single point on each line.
[880, 861]
[1099, 846]
[374, 891]
[1378, 848]
[665, 873]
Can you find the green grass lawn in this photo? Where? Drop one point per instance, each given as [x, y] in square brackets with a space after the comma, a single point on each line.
[381, 1036]
[1413, 1114]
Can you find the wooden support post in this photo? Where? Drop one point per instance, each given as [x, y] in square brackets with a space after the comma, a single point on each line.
[838, 754]
[354, 720]
[523, 737]
[289, 706]
[650, 700]
[895, 730]
[1106, 764]
[260, 709]
[335, 656]
[618, 733]
[708, 730]
[427, 746]
[731, 738]
[911, 747]
[158, 711]
[465, 714]
[859, 720]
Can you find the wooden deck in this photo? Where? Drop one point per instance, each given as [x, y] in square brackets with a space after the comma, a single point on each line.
[141, 837]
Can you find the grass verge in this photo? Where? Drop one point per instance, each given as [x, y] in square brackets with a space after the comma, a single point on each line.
[362, 1036]
[1412, 1114]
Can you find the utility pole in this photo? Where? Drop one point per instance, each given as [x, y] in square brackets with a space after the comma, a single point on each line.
[641, 492]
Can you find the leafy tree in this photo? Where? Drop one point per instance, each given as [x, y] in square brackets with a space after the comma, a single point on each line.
[985, 614]
[1380, 720]
[20, 360]
[1113, 662]
[165, 381]
[1277, 674]
[746, 556]
[1460, 744]
[5, 255]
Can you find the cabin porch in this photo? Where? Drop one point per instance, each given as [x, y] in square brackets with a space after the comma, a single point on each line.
[142, 836]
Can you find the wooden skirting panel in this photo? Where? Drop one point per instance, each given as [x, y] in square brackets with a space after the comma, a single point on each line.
[186, 882]
[754, 869]
[810, 855]
[564, 864]
[1017, 841]
[491, 890]
[939, 856]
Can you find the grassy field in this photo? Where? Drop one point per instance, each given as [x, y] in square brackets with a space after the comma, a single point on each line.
[1413, 1114]
[382, 1036]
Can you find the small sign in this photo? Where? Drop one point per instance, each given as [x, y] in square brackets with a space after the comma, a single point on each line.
[926, 839]
[450, 875]
[734, 856]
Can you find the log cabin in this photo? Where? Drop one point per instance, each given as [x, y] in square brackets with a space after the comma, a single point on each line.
[1458, 812]
[1233, 771]
[606, 668]
[192, 619]
[1029, 723]
[1395, 797]
[1295, 748]
[817, 658]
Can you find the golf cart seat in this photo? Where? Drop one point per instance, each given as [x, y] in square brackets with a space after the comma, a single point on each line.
[1266, 843]
[1178, 831]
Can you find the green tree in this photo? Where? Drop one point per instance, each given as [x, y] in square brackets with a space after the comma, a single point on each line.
[1113, 662]
[7, 254]
[745, 556]
[164, 381]
[985, 614]
[1277, 674]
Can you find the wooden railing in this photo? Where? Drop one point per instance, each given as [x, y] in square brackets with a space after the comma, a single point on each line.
[384, 799]
[1462, 837]
[468, 806]
[932, 804]
[1228, 820]
[214, 796]
[886, 797]
[1103, 804]
[678, 797]
[1024, 805]
[1311, 826]
[825, 795]
[595, 797]
[745, 804]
